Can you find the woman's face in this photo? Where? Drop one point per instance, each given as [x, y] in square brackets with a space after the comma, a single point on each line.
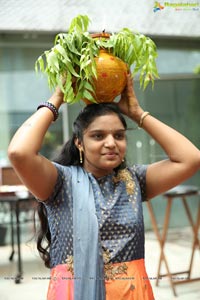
[104, 145]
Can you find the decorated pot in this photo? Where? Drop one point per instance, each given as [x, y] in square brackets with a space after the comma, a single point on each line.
[111, 76]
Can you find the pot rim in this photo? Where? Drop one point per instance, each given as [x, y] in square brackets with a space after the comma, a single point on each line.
[102, 34]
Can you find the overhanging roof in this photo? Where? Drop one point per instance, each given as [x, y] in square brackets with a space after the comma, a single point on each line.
[111, 15]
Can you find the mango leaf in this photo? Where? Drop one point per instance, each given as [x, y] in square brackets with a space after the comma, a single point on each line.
[87, 95]
[88, 86]
[146, 81]
[69, 95]
[78, 97]
[52, 61]
[62, 51]
[85, 64]
[71, 69]
[79, 23]
[39, 64]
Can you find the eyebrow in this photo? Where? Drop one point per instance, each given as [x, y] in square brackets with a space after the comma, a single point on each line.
[104, 130]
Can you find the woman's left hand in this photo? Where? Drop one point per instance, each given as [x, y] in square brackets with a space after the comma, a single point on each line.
[128, 103]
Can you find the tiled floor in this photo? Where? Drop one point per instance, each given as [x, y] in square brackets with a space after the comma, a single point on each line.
[35, 279]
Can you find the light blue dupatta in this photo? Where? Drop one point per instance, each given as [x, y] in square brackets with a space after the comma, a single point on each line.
[88, 261]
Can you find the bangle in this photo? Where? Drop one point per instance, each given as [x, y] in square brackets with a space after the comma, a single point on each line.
[52, 108]
[143, 116]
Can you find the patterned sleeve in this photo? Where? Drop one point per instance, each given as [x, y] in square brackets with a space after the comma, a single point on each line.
[140, 173]
[58, 185]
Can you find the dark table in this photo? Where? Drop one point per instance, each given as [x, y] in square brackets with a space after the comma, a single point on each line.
[19, 199]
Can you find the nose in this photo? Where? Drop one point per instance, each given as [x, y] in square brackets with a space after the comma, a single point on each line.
[109, 141]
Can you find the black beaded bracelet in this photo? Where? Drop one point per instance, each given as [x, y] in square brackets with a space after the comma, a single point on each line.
[52, 108]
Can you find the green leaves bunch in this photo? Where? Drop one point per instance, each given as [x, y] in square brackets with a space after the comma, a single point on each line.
[70, 62]
[139, 52]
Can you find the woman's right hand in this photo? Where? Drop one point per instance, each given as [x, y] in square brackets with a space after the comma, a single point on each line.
[36, 172]
[57, 97]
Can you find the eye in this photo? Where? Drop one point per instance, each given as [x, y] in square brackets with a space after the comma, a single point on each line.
[119, 136]
[97, 136]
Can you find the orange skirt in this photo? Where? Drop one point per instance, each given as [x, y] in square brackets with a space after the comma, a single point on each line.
[132, 285]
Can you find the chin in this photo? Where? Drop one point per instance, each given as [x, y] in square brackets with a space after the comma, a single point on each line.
[111, 165]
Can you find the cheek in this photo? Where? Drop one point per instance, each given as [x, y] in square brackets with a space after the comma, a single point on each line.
[92, 148]
[123, 146]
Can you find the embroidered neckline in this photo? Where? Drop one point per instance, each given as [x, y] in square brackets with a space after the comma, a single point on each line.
[125, 175]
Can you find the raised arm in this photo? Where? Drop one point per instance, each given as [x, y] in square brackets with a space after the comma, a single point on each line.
[183, 157]
[35, 171]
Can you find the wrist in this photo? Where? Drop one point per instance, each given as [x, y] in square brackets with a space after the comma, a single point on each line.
[50, 107]
[57, 98]
[136, 115]
[139, 117]
[143, 116]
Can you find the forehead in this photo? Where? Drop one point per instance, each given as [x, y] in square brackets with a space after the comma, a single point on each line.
[106, 122]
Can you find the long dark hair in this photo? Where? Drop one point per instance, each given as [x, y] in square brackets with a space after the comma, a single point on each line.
[69, 155]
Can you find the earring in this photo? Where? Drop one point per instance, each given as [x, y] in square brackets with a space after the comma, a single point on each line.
[80, 155]
[122, 159]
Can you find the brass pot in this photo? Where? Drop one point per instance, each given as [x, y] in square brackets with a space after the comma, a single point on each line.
[111, 75]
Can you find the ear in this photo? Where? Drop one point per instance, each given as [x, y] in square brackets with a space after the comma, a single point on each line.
[78, 144]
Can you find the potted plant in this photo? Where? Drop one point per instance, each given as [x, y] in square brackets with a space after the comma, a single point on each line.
[73, 61]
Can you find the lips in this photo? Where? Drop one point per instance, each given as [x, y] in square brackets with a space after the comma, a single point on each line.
[110, 154]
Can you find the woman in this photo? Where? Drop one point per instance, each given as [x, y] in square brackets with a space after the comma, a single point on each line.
[92, 201]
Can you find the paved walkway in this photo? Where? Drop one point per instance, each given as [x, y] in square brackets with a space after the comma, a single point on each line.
[35, 282]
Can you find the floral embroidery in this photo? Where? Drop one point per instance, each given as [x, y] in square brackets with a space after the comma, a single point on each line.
[110, 271]
[70, 263]
[124, 175]
[106, 256]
